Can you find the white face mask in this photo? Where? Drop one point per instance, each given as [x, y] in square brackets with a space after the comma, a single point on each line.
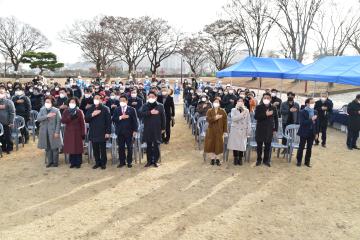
[122, 104]
[96, 101]
[323, 99]
[231, 91]
[133, 95]
[164, 93]
[122, 90]
[62, 95]
[273, 94]
[112, 97]
[266, 101]
[56, 89]
[2, 95]
[48, 105]
[240, 104]
[312, 105]
[151, 100]
[87, 95]
[203, 99]
[216, 105]
[206, 90]
[18, 93]
[47, 94]
[72, 105]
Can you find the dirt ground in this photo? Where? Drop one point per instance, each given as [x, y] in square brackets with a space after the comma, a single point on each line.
[184, 198]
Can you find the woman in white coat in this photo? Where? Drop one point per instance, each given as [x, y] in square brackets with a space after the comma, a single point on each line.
[239, 131]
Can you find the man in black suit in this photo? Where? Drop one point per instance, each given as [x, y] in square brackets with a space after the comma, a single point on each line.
[169, 107]
[324, 108]
[126, 126]
[135, 101]
[266, 125]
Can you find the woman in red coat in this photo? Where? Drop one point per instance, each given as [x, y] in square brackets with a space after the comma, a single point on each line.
[74, 134]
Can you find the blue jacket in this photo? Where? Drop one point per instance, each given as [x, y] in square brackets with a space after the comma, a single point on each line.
[307, 126]
[125, 127]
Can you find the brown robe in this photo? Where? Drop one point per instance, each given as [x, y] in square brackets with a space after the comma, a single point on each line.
[214, 141]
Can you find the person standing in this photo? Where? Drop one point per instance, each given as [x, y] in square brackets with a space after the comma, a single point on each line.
[99, 119]
[169, 107]
[289, 113]
[126, 126]
[275, 100]
[239, 131]
[74, 133]
[203, 106]
[214, 138]
[324, 108]
[7, 116]
[353, 110]
[153, 115]
[49, 133]
[307, 130]
[135, 101]
[266, 125]
[23, 107]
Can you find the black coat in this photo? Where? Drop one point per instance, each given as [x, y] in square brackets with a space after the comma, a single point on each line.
[265, 126]
[125, 127]
[323, 115]
[111, 102]
[153, 124]
[22, 109]
[37, 102]
[229, 102]
[85, 101]
[307, 126]
[354, 115]
[169, 106]
[100, 124]
[135, 103]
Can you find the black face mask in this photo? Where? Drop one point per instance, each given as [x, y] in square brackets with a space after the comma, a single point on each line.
[290, 99]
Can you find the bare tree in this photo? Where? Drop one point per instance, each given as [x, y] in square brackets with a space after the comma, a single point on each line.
[163, 41]
[297, 20]
[335, 30]
[222, 43]
[5, 64]
[253, 20]
[131, 36]
[17, 38]
[95, 42]
[193, 51]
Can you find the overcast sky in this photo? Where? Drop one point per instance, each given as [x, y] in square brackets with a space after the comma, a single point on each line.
[50, 17]
[185, 15]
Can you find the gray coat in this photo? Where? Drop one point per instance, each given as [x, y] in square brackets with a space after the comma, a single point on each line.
[48, 127]
[285, 110]
[240, 129]
[7, 115]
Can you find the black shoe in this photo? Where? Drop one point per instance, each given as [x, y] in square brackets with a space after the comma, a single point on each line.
[217, 162]
[308, 165]
[298, 164]
[240, 162]
[350, 148]
[267, 164]
[316, 142]
[356, 147]
[148, 164]
[103, 167]
[49, 165]
[7, 152]
[258, 163]
[323, 145]
[129, 165]
[155, 165]
[212, 162]
[96, 166]
[166, 142]
[78, 166]
[55, 165]
[72, 166]
[121, 165]
[235, 161]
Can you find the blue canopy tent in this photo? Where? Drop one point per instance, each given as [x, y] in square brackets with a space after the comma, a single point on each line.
[340, 69]
[260, 67]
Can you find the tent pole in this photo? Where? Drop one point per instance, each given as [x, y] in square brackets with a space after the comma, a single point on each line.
[281, 88]
[314, 89]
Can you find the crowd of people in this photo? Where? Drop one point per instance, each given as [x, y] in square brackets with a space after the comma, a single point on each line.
[90, 109]
[93, 108]
[266, 114]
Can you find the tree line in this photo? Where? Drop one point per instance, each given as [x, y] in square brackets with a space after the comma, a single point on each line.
[246, 26]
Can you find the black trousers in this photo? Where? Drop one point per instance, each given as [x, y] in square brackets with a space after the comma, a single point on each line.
[352, 137]
[6, 141]
[166, 135]
[75, 159]
[284, 140]
[322, 129]
[99, 149]
[122, 141]
[259, 150]
[309, 143]
[238, 154]
[152, 152]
